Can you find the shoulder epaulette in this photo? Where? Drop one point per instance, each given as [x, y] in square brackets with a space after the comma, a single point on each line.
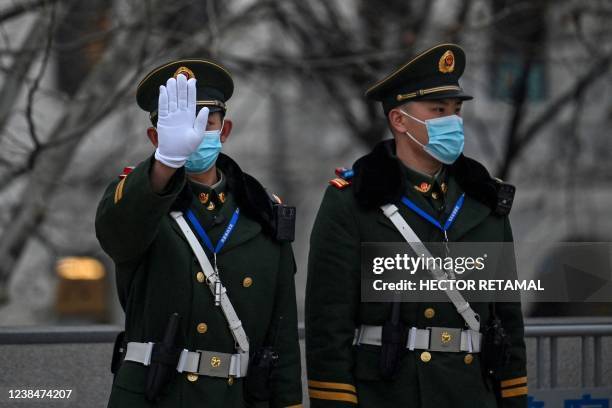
[344, 178]
[339, 183]
[126, 170]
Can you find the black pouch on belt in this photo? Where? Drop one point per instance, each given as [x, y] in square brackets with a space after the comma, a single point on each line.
[260, 367]
[118, 352]
[164, 360]
[260, 370]
[495, 352]
[394, 336]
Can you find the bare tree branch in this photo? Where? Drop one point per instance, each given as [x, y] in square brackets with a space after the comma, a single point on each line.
[19, 9]
[52, 162]
[522, 139]
[34, 87]
[19, 70]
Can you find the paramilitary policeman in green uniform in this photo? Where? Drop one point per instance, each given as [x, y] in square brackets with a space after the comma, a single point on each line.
[204, 264]
[424, 164]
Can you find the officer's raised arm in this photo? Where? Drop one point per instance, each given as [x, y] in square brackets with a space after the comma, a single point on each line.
[128, 214]
[131, 208]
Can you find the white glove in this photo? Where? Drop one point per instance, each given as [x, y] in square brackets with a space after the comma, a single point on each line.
[179, 131]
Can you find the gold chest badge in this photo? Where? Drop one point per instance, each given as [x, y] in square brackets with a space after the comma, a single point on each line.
[423, 187]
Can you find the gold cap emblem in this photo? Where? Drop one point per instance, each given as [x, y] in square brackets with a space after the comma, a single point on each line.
[185, 71]
[447, 62]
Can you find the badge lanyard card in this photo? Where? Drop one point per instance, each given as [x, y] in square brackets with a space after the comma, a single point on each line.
[214, 249]
[391, 212]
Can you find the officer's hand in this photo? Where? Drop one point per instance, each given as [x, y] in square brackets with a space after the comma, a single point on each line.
[179, 131]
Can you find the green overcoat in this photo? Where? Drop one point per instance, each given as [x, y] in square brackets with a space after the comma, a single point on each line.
[157, 275]
[341, 374]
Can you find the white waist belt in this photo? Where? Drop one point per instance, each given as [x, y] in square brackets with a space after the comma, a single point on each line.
[433, 338]
[210, 363]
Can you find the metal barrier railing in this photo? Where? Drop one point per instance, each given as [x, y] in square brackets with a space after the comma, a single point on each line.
[589, 330]
[101, 333]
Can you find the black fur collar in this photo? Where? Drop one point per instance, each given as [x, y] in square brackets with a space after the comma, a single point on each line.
[379, 178]
[249, 194]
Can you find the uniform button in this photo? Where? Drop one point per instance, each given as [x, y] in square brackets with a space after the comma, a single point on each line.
[202, 328]
[434, 195]
[468, 359]
[425, 356]
[247, 282]
[429, 313]
[192, 377]
[230, 381]
[200, 277]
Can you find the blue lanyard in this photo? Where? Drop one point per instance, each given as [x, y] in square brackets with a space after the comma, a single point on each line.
[449, 221]
[204, 236]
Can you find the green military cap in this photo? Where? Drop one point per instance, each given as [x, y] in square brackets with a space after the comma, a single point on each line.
[432, 74]
[214, 84]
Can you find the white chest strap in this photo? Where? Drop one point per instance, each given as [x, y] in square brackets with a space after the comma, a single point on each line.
[462, 306]
[234, 323]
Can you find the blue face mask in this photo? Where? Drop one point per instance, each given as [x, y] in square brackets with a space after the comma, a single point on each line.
[445, 137]
[206, 154]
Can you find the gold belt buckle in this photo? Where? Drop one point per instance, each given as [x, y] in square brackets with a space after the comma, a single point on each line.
[444, 339]
[214, 364]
